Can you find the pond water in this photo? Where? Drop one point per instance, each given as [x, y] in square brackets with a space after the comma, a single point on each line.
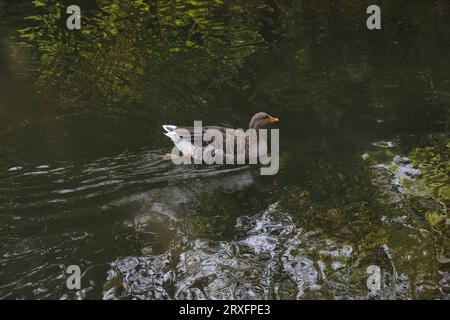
[364, 150]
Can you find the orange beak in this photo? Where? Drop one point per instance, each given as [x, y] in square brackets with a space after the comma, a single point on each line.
[273, 120]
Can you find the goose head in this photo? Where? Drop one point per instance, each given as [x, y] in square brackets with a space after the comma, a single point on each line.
[262, 120]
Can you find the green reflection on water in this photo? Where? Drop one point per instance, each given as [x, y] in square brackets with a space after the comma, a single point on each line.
[364, 149]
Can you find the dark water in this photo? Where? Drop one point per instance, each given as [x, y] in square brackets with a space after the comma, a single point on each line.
[364, 148]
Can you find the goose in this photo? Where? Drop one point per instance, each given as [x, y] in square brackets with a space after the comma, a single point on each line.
[187, 140]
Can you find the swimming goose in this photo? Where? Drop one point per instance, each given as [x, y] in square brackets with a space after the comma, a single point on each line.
[204, 146]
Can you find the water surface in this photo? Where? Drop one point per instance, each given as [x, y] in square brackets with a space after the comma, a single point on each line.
[364, 150]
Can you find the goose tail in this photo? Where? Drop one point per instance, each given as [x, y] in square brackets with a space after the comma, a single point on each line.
[169, 127]
[171, 133]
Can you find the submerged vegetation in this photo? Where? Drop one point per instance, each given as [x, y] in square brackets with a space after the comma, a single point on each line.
[364, 133]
